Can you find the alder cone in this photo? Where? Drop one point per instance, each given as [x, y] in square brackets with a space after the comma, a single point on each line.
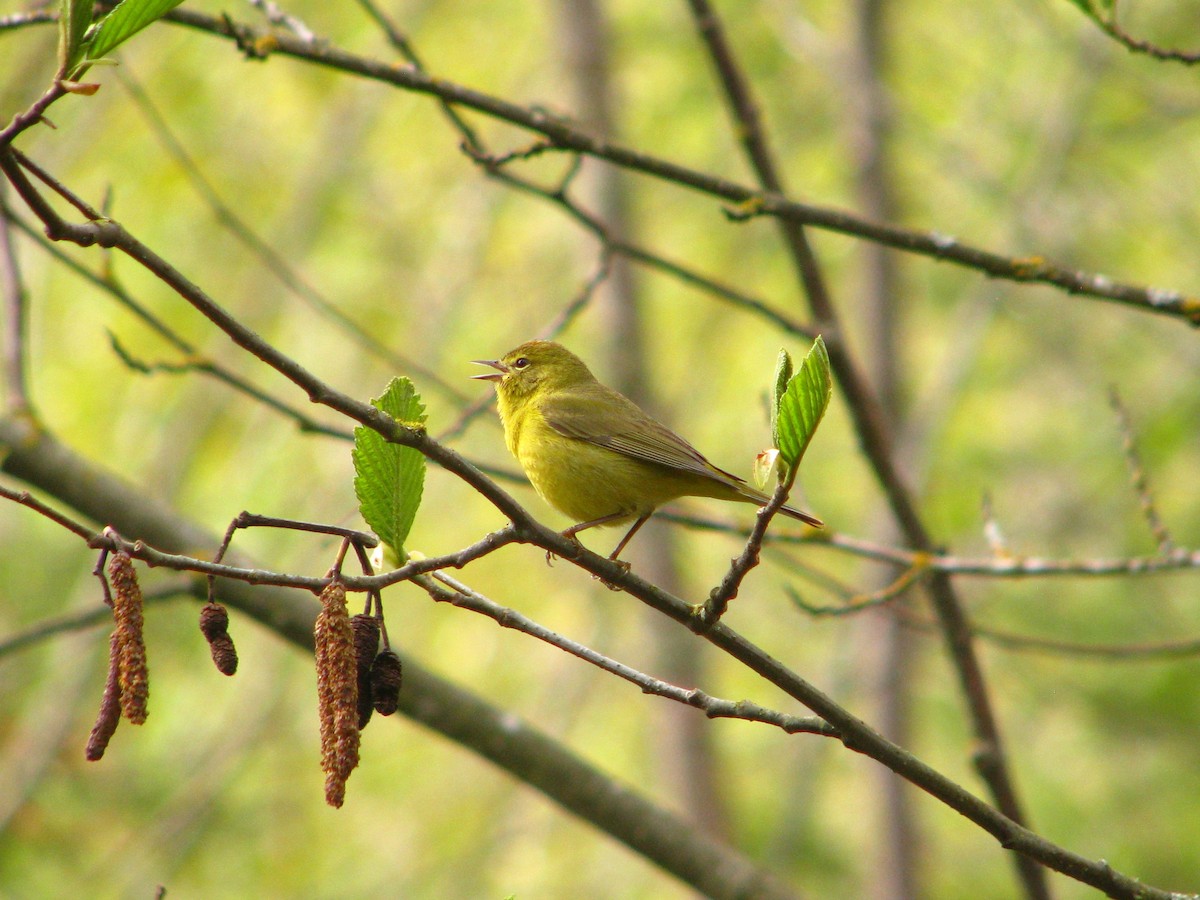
[386, 677]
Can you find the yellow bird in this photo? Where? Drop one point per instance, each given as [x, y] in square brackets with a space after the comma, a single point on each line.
[591, 452]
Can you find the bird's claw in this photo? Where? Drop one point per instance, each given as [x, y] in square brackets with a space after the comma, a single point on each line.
[623, 565]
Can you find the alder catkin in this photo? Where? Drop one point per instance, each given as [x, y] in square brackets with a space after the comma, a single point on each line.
[110, 707]
[337, 692]
[133, 674]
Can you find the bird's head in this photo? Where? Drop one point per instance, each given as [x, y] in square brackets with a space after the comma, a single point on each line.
[534, 367]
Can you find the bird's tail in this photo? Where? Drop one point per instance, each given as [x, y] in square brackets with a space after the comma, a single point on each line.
[802, 516]
[756, 496]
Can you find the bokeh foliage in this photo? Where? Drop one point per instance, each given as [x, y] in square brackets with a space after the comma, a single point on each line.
[1017, 126]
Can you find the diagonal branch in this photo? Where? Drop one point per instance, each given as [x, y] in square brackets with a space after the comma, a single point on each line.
[446, 708]
[32, 451]
[870, 421]
[565, 136]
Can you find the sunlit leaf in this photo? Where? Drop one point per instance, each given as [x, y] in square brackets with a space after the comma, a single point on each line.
[389, 478]
[74, 18]
[803, 404]
[783, 374]
[126, 19]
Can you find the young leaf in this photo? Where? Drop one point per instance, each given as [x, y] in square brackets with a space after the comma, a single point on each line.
[74, 18]
[389, 478]
[1089, 8]
[126, 19]
[783, 374]
[803, 404]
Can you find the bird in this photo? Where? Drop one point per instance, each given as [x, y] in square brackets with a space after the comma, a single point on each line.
[592, 453]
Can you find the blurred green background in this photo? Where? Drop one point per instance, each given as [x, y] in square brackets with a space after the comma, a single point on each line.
[1016, 127]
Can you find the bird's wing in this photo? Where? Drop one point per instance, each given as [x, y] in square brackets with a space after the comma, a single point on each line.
[575, 415]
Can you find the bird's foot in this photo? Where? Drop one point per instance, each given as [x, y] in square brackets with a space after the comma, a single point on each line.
[569, 534]
[622, 564]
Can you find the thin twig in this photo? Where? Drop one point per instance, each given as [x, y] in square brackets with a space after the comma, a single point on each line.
[27, 499]
[204, 366]
[16, 315]
[718, 599]
[1027, 269]
[81, 621]
[858, 602]
[274, 261]
[1147, 652]
[1108, 24]
[1009, 565]
[467, 598]
[32, 116]
[1137, 476]
[278, 17]
[874, 434]
[854, 733]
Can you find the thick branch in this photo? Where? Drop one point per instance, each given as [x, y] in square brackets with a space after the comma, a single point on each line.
[855, 733]
[875, 436]
[452, 711]
[565, 136]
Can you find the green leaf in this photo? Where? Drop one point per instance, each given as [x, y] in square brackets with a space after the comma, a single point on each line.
[803, 404]
[74, 18]
[389, 478]
[126, 19]
[1088, 8]
[783, 374]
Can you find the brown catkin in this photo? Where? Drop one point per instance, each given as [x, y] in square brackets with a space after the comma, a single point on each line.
[386, 678]
[110, 707]
[132, 673]
[337, 692]
[214, 625]
[366, 645]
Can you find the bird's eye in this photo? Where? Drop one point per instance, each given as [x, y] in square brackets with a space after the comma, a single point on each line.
[520, 363]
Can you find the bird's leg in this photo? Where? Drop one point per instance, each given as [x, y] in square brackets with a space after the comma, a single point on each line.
[570, 533]
[625, 540]
[584, 526]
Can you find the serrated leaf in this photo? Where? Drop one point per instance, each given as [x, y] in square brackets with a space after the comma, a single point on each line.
[126, 19]
[783, 374]
[803, 404]
[389, 478]
[74, 18]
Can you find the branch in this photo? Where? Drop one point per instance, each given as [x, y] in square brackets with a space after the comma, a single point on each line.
[462, 596]
[855, 733]
[1108, 24]
[1009, 566]
[1137, 476]
[32, 116]
[271, 259]
[42, 461]
[16, 314]
[81, 621]
[1030, 269]
[1148, 652]
[718, 600]
[492, 733]
[870, 422]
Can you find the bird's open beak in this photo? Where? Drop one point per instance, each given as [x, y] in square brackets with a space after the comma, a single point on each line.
[491, 376]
